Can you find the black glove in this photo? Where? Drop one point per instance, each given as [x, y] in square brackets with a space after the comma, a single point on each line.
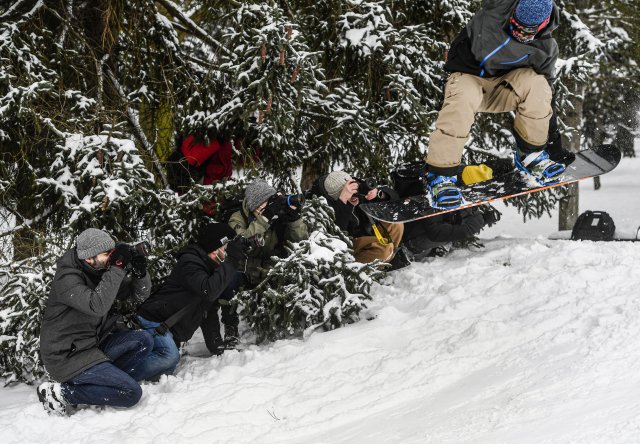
[237, 250]
[121, 257]
[276, 209]
[292, 215]
[139, 266]
[490, 215]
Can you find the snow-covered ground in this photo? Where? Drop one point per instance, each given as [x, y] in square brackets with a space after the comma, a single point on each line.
[527, 340]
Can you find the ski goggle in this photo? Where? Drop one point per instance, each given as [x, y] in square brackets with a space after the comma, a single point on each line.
[525, 33]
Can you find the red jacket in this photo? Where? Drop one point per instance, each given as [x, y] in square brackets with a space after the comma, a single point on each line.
[216, 157]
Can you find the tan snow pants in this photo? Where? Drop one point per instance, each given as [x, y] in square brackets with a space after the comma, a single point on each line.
[367, 248]
[520, 90]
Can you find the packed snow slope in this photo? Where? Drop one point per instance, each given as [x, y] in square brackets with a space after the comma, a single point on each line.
[527, 340]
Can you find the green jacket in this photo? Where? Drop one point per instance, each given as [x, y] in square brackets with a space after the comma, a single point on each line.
[246, 224]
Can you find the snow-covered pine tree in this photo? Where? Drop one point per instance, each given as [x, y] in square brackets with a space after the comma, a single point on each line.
[24, 286]
[318, 283]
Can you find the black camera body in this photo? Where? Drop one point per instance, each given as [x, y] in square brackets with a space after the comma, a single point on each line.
[365, 185]
[140, 249]
[279, 205]
[250, 243]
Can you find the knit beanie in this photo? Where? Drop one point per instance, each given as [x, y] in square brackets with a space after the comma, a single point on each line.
[533, 12]
[334, 182]
[258, 192]
[91, 242]
[212, 236]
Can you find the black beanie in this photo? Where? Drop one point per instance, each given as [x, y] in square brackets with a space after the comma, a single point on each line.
[213, 236]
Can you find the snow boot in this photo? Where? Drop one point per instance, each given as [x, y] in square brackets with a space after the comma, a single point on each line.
[231, 337]
[444, 191]
[50, 395]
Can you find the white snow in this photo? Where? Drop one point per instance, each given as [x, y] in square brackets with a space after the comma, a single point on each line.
[527, 340]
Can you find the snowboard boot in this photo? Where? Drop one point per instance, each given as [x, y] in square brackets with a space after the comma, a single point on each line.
[50, 395]
[539, 166]
[444, 191]
[231, 337]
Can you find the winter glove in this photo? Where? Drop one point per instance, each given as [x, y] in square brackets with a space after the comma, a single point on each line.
[490, 215]
[139, 266]
[121, 256]
[292, 215]
[237, 251]
[276, 209]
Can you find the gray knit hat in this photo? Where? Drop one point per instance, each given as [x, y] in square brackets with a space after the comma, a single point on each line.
[91, 242]
[334, 183]
[257, 192]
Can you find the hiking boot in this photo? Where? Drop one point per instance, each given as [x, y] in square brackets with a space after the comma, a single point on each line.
[539, 166]
[231, 337]
[50, 395]
[444, 191]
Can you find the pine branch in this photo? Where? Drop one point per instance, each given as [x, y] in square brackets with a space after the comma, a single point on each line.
[193, 26]
[135, 123]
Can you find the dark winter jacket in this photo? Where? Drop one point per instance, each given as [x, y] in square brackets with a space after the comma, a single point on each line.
[349, 218]
[76, 314]
[486, 48]
[194, 278]
[246, 224]
[422, 235]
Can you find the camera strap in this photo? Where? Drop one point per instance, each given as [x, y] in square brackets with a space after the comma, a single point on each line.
[176, 317]
[382, 234]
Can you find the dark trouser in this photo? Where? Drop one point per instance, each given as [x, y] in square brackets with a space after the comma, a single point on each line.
[109, 383]
[164, 357]
[211, 323]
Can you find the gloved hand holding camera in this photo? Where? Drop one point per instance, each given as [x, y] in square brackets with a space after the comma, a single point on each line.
[237, 250]
[121, 256]
[284, 207]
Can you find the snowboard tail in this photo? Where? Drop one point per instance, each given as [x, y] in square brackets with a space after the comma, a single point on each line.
[588, 163]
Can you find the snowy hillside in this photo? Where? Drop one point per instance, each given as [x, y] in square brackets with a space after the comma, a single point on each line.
[528, 340]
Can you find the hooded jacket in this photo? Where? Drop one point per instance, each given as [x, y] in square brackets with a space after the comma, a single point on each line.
[194, 278]
[76, 316]
[486, 48]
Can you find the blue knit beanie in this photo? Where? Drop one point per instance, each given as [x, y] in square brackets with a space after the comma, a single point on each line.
[533, 12]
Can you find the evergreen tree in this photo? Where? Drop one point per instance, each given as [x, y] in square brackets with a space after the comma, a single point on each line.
[317, 284]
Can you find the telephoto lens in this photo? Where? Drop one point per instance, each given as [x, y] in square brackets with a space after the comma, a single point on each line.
[295, 200]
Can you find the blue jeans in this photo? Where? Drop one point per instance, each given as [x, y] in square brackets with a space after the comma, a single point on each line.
[164, 356]
[112, 383]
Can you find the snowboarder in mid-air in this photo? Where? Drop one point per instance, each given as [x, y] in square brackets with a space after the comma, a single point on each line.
[503, 61]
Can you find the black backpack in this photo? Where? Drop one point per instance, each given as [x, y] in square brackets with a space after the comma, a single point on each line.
[407, 179]
[226, 208]
[593, 226]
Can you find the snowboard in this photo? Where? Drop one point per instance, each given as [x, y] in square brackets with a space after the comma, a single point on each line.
[588, 163]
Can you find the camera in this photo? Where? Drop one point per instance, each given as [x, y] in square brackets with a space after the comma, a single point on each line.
[250, 243]
[279, 206]
[365, 185]
[140, 249]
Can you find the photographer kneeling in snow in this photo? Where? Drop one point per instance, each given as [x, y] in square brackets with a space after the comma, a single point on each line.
[206, 271]
[94, 361]
[344, 194]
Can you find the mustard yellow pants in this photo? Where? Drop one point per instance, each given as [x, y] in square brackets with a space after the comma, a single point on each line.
[520, 90]
[367, 248]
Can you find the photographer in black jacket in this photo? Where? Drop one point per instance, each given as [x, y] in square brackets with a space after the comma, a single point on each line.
[204, 272]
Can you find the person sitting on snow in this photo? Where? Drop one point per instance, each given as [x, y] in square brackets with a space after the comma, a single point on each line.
[205, 271]
[93, 362]
[344, 194]
[423, 236]
[503, 61]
